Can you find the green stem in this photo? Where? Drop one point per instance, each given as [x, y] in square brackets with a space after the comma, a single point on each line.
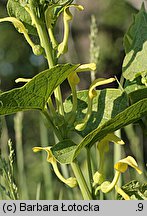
[51, 107]
[53, 40]
[52, 125]
[45, 43]
[89, 167]
[74, 107]
[46, 172]
[81, 181]
[48, 50]
[43, 36]
[117, 154]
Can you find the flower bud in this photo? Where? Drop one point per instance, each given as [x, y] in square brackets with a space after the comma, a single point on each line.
[71, 182]
[38, 50]
[97, 178]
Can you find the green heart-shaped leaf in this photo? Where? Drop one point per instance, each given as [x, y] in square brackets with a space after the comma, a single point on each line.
[35, 93]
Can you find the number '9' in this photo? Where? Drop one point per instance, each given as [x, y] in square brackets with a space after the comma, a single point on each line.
[140, 206]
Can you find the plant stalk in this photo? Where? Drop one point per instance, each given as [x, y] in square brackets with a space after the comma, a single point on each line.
[89, 168]
[50, 123]
[81, 181]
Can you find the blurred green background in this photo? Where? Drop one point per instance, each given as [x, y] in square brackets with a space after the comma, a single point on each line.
[33, 175]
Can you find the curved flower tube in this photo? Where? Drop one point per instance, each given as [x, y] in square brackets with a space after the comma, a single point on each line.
[121, 166]
[74, 80]
[103, 147]
[91, 95]
[71, 182]
[67, 17]
[37, 49]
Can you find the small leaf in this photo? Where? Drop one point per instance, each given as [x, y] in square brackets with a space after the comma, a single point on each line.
[35, 93]
[64, 151]
[135, 43]
[15, 9]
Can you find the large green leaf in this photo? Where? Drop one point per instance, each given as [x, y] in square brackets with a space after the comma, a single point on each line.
[135, 43]
[128, 116]
[35, 93]
[107, 104]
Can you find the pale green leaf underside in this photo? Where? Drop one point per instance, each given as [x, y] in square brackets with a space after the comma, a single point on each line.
[128, 116]
[16, 10]
[135, 43]
[35, 93]
[67, 147]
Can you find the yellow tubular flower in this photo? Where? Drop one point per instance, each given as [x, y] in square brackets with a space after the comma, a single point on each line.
[122, 193]
[48, 19]
[122, 165]
[71, 182]
[20, 27]
[37, 49]
[115, 139]
[107, 186]
[67, 17]
[74, 80]
[91, 95]
[103, 147]
[86, 67]
[50, 158]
